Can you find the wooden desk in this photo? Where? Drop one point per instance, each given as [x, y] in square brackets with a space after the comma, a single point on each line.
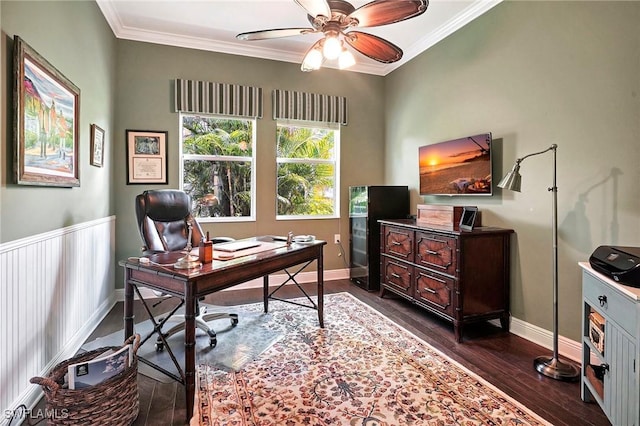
[192, 284]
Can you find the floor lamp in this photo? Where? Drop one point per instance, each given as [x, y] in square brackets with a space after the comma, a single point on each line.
[549, 366]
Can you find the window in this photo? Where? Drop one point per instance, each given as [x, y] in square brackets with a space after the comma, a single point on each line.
[218, 166]
[308, 170]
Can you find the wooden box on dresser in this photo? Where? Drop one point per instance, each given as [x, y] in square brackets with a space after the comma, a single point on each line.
[610, 345]
[462, 276]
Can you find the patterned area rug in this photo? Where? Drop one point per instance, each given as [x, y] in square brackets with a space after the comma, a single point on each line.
[361, 369]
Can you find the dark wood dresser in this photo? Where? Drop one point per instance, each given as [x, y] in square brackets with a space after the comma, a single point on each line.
[462, 276]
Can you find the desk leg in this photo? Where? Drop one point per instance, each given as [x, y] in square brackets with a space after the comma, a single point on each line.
[265, 294]
[128, 304]
[320, 289]
[189, 348]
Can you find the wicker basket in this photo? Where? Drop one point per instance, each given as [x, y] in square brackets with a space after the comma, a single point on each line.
[112, 402]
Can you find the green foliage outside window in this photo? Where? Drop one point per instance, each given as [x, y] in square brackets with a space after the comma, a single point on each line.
[306, 171]
[217, 164]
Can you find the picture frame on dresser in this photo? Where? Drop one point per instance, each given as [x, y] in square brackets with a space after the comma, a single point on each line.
[468, 218]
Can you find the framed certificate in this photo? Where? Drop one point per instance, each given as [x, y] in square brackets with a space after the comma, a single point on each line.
[146, 157]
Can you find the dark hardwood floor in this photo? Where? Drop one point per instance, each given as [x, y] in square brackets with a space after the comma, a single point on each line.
[501, 358]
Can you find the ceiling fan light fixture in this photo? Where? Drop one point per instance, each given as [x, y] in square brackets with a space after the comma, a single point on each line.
[338, 21]
[332, 47]
[346, 60]
[312, 60]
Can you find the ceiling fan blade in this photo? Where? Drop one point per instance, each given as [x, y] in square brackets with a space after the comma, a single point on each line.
[274, 33]
[315, 7]
[374, 47]
[383, 12]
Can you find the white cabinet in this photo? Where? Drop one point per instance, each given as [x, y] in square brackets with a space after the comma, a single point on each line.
[610, 324]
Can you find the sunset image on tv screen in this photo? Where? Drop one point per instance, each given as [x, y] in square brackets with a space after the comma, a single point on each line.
[460, 166]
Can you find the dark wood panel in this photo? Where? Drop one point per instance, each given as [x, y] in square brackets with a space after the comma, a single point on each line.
[435, 290]
[436, 252]
[398, 275]
[461, 276]
[398, 243]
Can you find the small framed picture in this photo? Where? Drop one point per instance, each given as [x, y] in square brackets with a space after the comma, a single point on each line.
[146, 157]
[468, 218]
[97, 146]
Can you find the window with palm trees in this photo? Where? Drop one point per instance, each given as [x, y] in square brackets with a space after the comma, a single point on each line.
[218, 166]
[307, 169]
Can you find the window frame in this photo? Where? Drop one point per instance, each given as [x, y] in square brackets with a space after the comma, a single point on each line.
[201, 157]
[336, 128]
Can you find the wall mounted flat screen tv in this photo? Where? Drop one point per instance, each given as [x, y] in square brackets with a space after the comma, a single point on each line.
[456, 167]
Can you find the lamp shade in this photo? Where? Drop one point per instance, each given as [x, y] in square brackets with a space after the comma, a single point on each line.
[332, 47]
[512, 180]
[346, 60]
[312, 60]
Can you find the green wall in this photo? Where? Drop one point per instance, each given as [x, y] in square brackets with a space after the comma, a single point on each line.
[533, 74]
[74, 38]
[145, 101]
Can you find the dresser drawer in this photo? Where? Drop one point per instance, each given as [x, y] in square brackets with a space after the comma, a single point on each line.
[398, 242]
[434, 290]
[609, 302]
[397, 275]
[437, 252]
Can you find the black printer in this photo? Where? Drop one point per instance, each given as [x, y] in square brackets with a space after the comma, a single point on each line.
[622, 264]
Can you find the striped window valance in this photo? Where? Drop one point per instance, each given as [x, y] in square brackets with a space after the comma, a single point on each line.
[205, 97]
[292, 105]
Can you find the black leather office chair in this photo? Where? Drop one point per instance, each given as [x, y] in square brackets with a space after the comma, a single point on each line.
[163, 216]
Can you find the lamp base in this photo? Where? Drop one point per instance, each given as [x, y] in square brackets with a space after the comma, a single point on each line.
[189, 261]
[556, 369]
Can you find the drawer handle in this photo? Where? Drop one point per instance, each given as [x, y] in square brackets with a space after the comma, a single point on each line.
[602, 300]
[394, 275]
[431, 277]
[429, 290]
[435, 253]
[396, 243]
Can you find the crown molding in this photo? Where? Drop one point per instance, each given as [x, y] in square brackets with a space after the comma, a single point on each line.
[178, 40]
[472, 12]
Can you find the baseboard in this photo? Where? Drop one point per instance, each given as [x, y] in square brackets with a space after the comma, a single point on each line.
[567, 348]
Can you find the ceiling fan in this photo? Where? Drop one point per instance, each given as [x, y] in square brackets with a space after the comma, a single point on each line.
[336, 20]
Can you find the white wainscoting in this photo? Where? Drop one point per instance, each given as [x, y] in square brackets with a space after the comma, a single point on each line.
[55, 288]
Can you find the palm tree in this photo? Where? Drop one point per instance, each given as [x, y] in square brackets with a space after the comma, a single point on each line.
[303, 185]
[222, 187]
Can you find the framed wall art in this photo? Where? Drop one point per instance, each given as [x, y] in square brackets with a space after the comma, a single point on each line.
[46, 116]
[97, 146]
[146, 157]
